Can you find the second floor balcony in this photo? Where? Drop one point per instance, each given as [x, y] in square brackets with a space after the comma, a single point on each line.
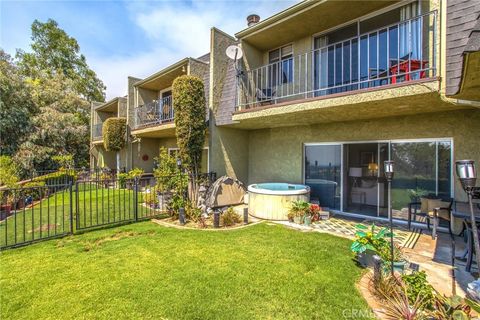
[153, 113]
[395, 53]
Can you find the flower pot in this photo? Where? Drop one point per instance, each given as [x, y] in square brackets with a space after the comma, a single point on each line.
[365, 259]
[307, 220]
[324, 215]
[297, 220]
[398, 266]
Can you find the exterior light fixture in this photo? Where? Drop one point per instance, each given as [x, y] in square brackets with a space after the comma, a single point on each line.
[179, 162]
[468, 177]
[388, 166]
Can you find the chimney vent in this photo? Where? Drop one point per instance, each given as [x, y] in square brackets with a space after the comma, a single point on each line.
[253, 19]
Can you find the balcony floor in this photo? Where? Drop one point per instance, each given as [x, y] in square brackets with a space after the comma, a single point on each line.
[421, 96]
[164, 130]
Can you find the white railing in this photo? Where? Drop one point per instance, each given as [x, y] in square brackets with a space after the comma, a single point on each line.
[154, 113]
[392, 54]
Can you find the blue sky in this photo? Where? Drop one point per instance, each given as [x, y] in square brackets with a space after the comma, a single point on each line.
[136, 38]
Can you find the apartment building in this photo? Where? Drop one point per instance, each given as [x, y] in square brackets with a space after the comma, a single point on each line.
[325, 92]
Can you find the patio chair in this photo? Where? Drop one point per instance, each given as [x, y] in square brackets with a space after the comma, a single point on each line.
[265, 95]
[431, 207]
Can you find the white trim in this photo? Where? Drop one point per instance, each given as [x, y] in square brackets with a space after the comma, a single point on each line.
[160, 92]
[389, 143]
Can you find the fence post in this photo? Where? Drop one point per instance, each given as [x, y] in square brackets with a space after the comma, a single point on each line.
[71, 206]
[135, 198]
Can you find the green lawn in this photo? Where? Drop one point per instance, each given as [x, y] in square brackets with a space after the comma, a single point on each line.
[145, 271]
[96, 206]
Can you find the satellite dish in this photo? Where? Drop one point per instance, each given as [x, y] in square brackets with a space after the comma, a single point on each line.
[234, 52]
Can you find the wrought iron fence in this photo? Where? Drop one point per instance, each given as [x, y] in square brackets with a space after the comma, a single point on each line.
[392, 54]
[155, 112]
[32, 213]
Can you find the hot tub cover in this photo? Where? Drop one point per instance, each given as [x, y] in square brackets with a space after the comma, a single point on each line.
[226, 191]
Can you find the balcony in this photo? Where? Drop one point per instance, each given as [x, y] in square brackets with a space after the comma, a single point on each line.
[154, 113]
[393, 54]
[97, 132]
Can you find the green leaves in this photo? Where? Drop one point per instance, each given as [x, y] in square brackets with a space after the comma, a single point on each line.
[114, 133]
[190, 120]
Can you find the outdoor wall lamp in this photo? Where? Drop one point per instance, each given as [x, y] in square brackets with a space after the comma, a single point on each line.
[468, 177]
[388, 167]
[179, 163]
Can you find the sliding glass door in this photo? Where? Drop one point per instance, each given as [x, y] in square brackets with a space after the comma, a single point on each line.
[349, 177]
[323, 174]
[421, 169]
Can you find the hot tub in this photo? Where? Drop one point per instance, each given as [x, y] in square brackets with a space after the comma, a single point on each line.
[273, 200]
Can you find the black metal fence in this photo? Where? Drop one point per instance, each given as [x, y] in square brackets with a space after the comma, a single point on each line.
[32, 213]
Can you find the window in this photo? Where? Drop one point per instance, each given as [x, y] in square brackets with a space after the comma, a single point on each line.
[204, 167]
[281, 68]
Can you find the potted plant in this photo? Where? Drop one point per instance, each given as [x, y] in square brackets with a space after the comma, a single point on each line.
[315, 212]
[298, 210]
[399, 261]
[367, 242]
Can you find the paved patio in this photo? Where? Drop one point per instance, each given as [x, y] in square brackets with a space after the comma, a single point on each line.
[434, 256]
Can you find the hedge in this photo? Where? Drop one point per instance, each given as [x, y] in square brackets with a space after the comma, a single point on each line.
[114, 133]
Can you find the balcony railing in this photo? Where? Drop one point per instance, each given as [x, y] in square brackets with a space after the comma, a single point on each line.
[97, 131]
[392, 54]
[154, 113]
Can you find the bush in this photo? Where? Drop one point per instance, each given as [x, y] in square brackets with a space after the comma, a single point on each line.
[8, 172]
[417, 285]
[58, 177]
[229, 218]
[122, 180]
[192, 213]
[135, 173]
[34, 189]
[151, 199]
[114, 133]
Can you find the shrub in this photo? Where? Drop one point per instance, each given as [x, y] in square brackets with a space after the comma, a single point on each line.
[122, 180]
[417, 285]
[192, 213]
[64, 161]
[190, 111]
[33, 189]
[58, 177]
[135, 173]
[168, 175]
[8, 172]
[229, 218]
[151, 199]
[114, 133]
[298, 208]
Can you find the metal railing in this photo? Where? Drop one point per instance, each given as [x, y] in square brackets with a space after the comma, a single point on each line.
[392, 54]
[91, 200]
[154, 113]
[97, 131]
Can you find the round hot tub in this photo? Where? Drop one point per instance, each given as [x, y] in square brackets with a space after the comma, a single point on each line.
[273, 200]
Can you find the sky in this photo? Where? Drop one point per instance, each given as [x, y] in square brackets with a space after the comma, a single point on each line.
[131, 38]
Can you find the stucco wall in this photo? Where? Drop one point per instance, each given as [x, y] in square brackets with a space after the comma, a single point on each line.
[276, 154]
[228, 147]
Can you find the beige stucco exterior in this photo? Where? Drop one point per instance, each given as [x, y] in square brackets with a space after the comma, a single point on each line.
[266, 143]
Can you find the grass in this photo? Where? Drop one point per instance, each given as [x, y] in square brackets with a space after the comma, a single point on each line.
[96, 206]
[146, 271]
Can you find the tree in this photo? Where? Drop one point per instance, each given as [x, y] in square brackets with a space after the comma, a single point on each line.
[189, 104]
[60, 128]
[114, 133]
[16, 106]
[54, 51]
